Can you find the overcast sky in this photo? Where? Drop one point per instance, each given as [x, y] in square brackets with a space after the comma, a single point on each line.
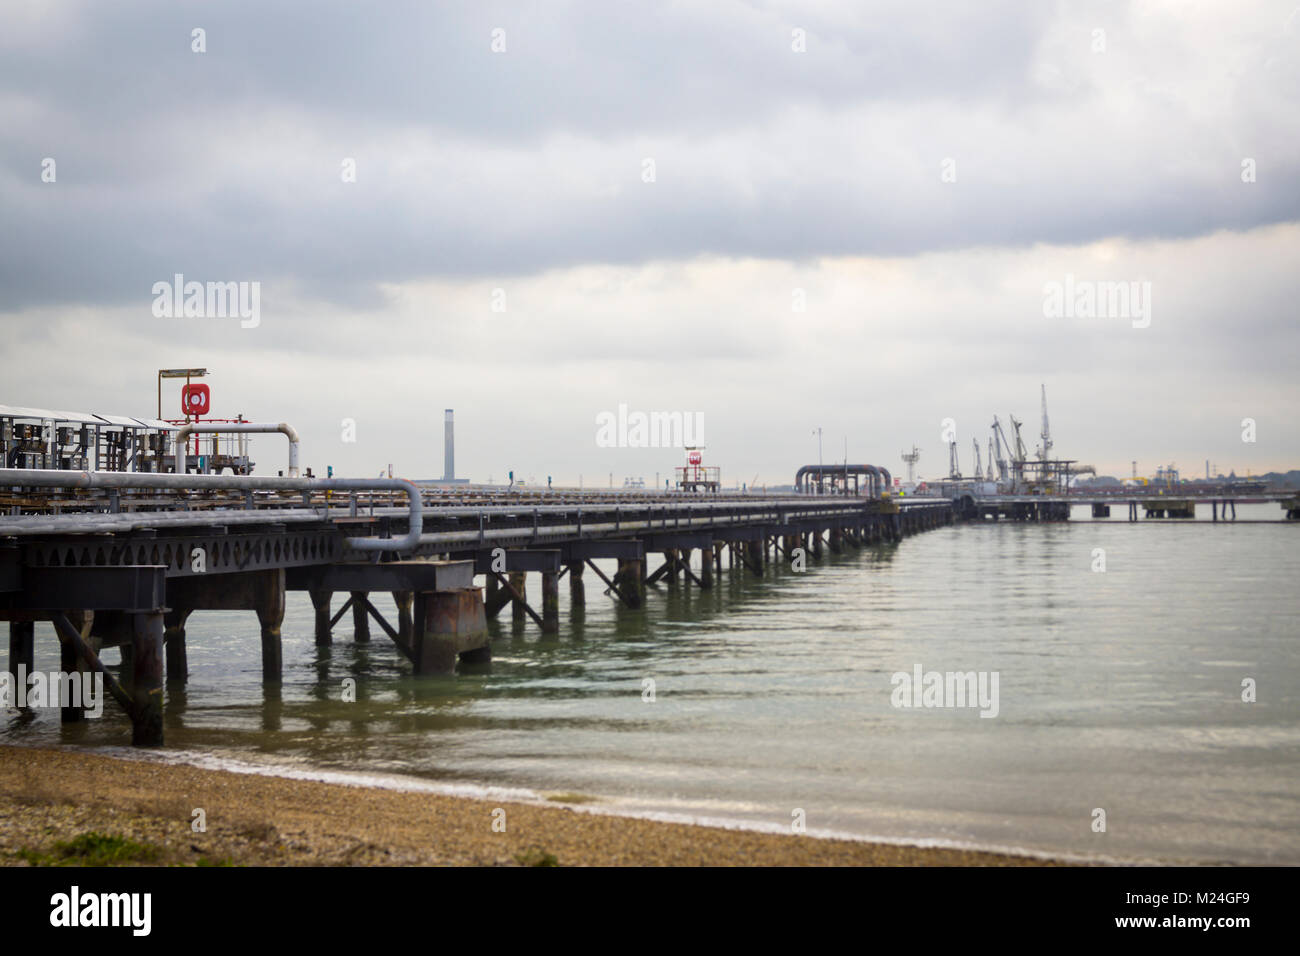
[653, 191]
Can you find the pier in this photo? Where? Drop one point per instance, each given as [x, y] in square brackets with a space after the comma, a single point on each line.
[975, 507]
[123, 559]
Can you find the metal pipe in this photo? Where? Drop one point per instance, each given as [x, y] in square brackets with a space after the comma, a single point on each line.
[465, 540]
[23, 477]
[876, 474]
[415, 520]
[35, 525]
[51, 478]
[99, 523]
[873, 479]
[193, 428]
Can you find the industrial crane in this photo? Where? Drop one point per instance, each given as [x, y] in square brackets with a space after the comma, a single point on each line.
[1045, 450]
[979, 470]
[988, 474]
[1019, 455]
[1001, 443]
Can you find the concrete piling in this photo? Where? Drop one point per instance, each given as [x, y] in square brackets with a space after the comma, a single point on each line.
[270, 615]
[550, 602]
[448, 624]
[630, 581]
[360, 617]
[577, 588]
[519, 581]
[147, 678]
[174, 639]
[405, 622]
[320, 601]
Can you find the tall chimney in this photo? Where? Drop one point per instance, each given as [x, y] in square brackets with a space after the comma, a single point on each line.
[449, 448]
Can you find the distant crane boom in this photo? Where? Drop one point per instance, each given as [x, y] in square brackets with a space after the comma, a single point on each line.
[1019, 456]
[1045, 452]
[1002, 445]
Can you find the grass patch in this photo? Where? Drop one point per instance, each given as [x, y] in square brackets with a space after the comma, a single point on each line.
[208, 861]
[571, 798]
[535, 856]
[92, 849]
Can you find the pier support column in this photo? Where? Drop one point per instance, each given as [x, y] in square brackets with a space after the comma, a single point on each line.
[70, 663]
[178, 669]
[836, 541]
[519, 581]
[684, 564]
[550, 602]
[360, 617]
[630, 581]
[447, 624]
[577, 588]
[147, 678]
[755, 549]
[405, 623]
[270, 615]
[817, 543]
[706, 568]
[320, 600]
[22, 649]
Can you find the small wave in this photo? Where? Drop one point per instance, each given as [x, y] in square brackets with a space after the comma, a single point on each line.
[399, 782]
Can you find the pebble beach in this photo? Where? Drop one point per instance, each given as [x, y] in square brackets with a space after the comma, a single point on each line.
[52, 797]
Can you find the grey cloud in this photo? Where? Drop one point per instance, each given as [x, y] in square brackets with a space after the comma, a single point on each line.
[225, 165]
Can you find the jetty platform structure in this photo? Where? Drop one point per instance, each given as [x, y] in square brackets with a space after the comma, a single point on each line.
[121, 558]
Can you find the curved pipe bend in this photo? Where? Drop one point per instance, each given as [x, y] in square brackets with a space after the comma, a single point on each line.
[193, 428]
[415, 526]
[879, 479]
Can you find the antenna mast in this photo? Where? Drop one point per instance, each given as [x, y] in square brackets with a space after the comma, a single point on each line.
[911, 458]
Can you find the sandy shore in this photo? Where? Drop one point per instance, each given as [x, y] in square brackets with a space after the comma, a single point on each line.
[53, 796]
